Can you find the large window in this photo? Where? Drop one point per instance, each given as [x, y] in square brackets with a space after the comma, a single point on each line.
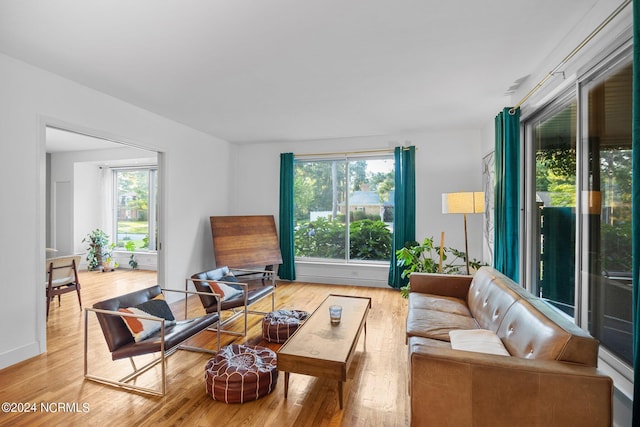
[135, 208]
[606, 217]
[344, 208]
[579, 205]
[554, 145]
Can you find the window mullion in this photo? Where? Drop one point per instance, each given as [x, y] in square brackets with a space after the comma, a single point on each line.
[347, 217]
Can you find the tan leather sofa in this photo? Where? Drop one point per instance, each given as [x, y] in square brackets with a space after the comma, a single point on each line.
[549, 377]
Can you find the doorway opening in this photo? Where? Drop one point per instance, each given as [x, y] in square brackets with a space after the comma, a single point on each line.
[94, 184]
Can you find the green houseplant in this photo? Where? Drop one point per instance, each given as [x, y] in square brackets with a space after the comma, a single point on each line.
[131, 247]
[425, 258]
[98, 250]
[108, 263]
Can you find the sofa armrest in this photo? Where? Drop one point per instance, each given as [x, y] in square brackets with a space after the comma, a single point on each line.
[450, 285]
[462, 388]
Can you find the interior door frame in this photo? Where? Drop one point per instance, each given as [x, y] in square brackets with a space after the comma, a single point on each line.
[42, 208]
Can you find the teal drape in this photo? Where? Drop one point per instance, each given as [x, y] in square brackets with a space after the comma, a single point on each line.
[404, 218]
[636, 212]
[287, 269]
[507, 193]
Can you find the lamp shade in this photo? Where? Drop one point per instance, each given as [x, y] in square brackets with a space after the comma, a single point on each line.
[467, 202]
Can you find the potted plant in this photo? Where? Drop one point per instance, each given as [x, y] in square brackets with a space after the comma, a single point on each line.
[425, 258]
[108, 263]
[98, 243]
[131, 247]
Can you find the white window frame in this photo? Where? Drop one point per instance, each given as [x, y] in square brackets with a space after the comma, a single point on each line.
[152, 203]
[346, 158]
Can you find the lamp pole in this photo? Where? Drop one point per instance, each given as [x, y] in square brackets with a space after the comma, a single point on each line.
[466, 243]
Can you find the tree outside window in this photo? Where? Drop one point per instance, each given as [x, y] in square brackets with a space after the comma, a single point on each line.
[135, 208]
[335, 195]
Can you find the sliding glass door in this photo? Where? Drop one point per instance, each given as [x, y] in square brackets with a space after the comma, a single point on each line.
[606, 208]
[552, 214]
[578, 205]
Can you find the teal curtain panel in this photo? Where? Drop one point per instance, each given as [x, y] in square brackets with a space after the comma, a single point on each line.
[507, 193]
[404, 218]
[287, 270]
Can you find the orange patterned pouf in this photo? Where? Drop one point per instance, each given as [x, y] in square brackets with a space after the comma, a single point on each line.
[278, 326]
[241, 373]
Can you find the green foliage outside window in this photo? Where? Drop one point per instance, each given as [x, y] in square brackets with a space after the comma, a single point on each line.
[320, 239]
[369, 240]
[325, 191]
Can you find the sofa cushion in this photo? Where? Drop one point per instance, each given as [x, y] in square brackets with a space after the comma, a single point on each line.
[477, 340]
[489, 299]
[438, 303]
[416, 344]
[436, 324]
[528, 333]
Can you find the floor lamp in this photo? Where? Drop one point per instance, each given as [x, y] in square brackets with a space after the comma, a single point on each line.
[463, 203]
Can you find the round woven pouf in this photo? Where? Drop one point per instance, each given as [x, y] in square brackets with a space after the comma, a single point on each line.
[278, 326]
[241, 373]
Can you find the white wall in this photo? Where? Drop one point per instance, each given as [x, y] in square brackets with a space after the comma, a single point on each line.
[32, 98]
[446, 161]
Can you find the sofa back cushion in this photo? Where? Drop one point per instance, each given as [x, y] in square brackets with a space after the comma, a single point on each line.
[490, 296]
[532, 330]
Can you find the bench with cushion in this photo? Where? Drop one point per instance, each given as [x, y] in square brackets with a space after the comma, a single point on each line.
[234, 295]
[140, 323]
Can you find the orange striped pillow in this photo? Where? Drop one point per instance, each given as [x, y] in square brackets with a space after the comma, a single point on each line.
[225, 291]
[143, 328]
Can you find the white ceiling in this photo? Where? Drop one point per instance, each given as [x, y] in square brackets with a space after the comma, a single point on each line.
[260, 70]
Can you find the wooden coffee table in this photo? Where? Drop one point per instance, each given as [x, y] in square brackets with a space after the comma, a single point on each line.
[320, 349]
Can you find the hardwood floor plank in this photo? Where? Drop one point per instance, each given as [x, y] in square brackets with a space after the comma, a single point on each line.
[374, 395]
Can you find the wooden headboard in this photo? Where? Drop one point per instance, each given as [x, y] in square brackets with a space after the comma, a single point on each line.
[245, 241]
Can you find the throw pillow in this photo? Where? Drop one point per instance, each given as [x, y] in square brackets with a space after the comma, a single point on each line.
[229, 277]
[143, 328]
[225, 291]
[478, 340]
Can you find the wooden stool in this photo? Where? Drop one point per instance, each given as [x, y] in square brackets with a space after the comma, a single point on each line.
[241, 373]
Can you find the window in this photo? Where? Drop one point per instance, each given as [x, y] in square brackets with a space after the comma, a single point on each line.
[135, 208]
[332, 196]
[606, 219]
[579, 206]
[554, 145]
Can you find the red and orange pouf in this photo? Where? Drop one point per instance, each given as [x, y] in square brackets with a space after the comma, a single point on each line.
[278, 326]
[241, 373]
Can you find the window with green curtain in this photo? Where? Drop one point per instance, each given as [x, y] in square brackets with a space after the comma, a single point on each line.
[405, 209]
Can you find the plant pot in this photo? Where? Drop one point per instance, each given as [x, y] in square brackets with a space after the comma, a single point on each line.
[107, 266]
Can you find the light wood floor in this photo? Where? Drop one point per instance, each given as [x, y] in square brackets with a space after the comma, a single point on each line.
[375, 394]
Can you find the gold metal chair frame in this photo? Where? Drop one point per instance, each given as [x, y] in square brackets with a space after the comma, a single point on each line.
[124, 382]
[245, 306]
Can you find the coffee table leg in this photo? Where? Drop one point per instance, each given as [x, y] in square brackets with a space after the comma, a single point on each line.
[286, 384]
[340, 393]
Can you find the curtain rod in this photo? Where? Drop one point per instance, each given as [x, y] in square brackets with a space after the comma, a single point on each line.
[571, 55]
[346, 153]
